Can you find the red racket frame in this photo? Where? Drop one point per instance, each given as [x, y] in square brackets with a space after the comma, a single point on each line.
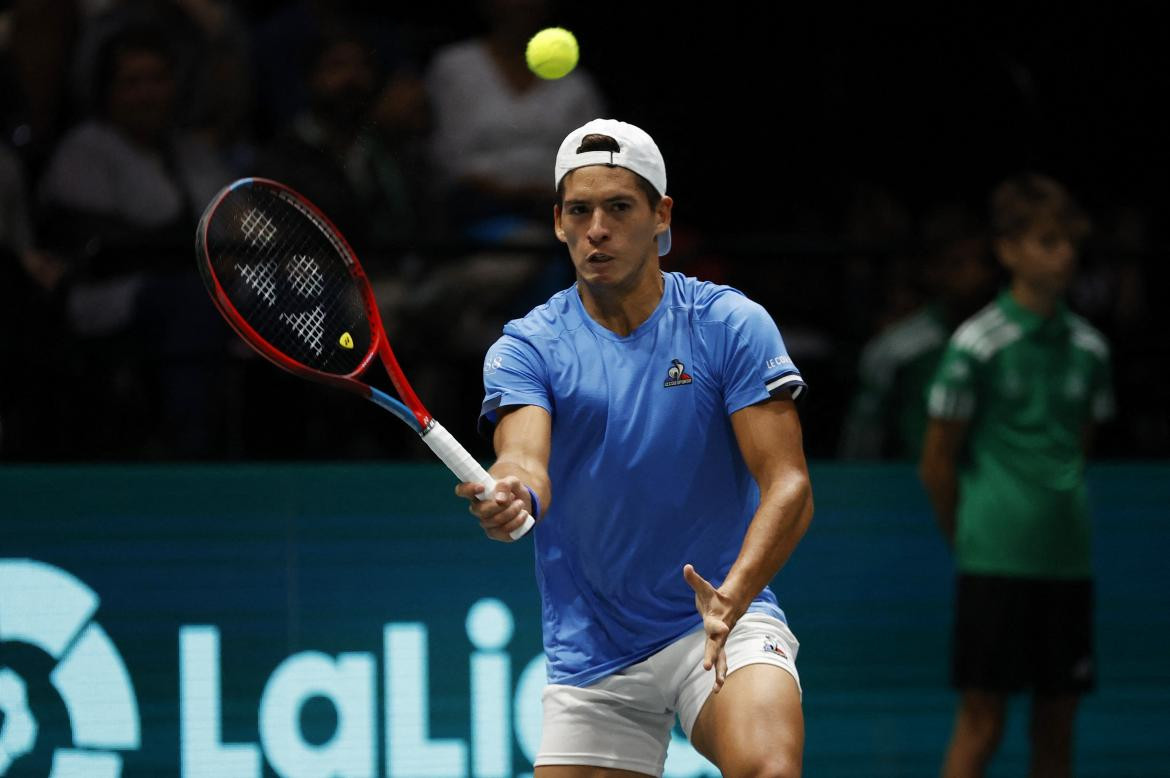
[411, 410]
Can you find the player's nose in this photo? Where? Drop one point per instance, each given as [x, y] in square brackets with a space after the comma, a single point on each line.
[598, 226]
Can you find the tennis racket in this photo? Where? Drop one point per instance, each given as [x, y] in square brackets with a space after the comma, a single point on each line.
[289, 284]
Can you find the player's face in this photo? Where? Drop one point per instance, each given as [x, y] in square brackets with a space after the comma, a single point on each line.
[1044, 257]
[609, 227]
[141, 94]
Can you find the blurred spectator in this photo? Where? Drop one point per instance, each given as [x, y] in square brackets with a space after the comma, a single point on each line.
[120, 200]
[887, 416]
[1012, 409]
[208, 43]
[826, 297]
[876, 279]
[15, 227]
[497, 125]
[298, 26]
[31, 338]
[356, 151]
[351, 122]
[350, 150]
[36, 40]
[1113, 290]
[206, 39]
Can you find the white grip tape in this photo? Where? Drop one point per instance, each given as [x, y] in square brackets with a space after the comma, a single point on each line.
[464, 466]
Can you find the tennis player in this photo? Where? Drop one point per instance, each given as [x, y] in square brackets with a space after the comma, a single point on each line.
[647, 420]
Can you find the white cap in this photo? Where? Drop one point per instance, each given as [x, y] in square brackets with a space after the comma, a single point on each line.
[637, 152]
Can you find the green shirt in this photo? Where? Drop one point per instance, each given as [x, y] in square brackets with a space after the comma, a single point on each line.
[1028, 386]
[887, 417]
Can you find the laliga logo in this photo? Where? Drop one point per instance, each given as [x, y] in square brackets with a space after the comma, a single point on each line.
[49, 609]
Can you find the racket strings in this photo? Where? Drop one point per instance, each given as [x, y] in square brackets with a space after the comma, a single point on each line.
[288, 279]
[259, 277]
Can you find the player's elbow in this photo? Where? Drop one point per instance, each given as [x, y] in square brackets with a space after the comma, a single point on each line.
[794, 497]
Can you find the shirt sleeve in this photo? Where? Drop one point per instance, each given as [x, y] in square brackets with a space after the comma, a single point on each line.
[952, 393]
[513, 374]
[1104, 403]
[755, 361]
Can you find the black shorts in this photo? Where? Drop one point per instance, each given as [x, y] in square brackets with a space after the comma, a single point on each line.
[1015, 634]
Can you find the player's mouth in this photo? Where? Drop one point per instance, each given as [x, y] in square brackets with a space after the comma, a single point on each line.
[597, 257]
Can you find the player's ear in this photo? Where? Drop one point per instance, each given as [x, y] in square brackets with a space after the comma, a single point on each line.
[662, 213]
[557, 224]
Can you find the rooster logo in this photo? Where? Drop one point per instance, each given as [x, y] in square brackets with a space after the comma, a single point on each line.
[676, 374]
[772, 645]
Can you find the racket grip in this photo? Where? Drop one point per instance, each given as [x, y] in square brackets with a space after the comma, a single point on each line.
[465, 468]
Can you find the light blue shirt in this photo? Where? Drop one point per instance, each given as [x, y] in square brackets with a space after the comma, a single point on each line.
[646, 471]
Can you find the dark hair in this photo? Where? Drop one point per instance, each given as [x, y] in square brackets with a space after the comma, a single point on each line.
[333, 36]
[948, 223]
[598, 142]
[1025, 201]
[133, 38]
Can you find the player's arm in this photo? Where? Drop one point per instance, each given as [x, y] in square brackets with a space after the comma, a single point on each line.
[939, 470]
[769, 437]
[523, 440]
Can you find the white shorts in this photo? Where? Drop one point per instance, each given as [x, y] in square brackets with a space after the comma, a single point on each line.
[624, 720]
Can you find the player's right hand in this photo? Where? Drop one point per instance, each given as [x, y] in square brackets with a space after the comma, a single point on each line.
[504, 510]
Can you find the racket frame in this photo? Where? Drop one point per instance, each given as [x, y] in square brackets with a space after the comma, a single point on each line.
[410, 409]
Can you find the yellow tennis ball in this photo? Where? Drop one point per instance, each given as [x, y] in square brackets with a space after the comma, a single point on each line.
[552, 53]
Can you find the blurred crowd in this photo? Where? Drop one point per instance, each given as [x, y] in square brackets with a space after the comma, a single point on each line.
[432, 151]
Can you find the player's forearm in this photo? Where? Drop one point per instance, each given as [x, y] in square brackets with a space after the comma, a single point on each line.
[522, 441]
[941, 479]
[785, 511]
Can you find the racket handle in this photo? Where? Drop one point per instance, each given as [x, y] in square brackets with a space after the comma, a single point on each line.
[464, 466]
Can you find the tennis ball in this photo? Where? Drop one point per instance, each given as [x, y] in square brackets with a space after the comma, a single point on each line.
[552, 53]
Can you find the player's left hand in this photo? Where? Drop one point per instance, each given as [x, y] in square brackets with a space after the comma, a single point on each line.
[719, 616]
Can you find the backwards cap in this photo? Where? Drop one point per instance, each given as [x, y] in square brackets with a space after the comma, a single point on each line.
[637, 152]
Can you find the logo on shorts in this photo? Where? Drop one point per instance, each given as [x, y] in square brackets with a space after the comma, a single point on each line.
[773, 646]
[677, 375]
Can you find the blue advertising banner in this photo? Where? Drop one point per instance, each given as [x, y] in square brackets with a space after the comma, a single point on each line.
[351, 620]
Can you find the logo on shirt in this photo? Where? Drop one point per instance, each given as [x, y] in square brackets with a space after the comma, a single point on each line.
[492, 365]
[677, 375]
[772, 646]
[780, 361]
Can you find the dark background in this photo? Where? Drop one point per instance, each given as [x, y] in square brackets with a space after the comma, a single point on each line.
[767, 111]
[775, 121]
